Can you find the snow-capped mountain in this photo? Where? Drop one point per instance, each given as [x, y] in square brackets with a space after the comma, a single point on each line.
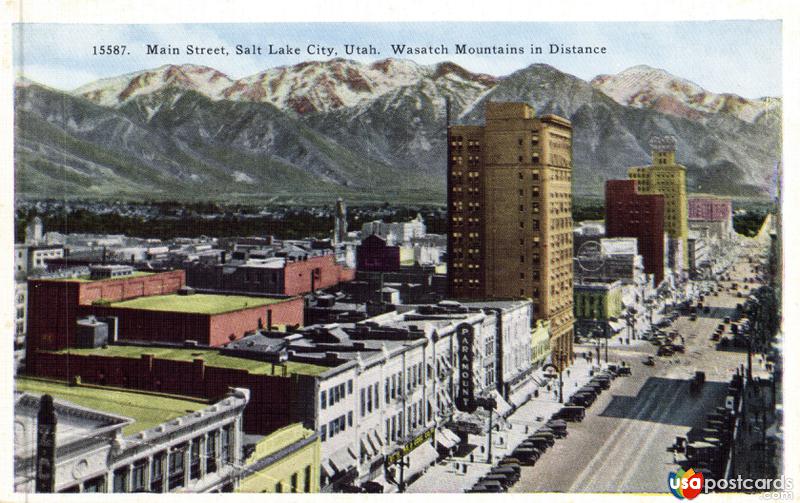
[116, 91]
[645, 87]
[354, 129]
[314, 86]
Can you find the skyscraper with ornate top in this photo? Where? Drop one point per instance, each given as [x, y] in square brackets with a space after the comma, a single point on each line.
[510, 214]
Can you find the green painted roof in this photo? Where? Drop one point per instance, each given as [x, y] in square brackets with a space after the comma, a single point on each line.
[211, 357]
[147, 410]
[197, 303]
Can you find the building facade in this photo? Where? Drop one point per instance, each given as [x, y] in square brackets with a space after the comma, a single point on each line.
[596, 305]
[641, 216]
[285, 461]
[197, 452]
[374, 254]
[712, 215]
[510, 215]
[667, 178]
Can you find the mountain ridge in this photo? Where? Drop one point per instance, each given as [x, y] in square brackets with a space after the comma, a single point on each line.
[343, 127]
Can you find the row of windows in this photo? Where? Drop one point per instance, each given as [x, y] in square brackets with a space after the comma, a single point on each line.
[336, 426]
[168, 468]
[335, 394]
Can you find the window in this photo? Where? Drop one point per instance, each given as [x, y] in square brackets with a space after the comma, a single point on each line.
[350, 418]
[156, 473]
[279, 487]
[386, 391]
[121, 480]
[363, 403]
[369, 399]
[293, 483]
[322, 403]
[350, 387]
[194, 460]
[323, 433]
[225, 445]
[176, 467]
[137, 477]
[307, 480]
[211, 452]
[377, 396]
[95, 485]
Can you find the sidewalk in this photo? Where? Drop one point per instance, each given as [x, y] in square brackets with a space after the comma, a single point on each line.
[456, 474]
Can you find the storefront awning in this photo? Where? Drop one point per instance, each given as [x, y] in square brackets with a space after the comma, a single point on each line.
[421, 458]
[342, 460]
[616, 326]
[503, 408]
[446, 438]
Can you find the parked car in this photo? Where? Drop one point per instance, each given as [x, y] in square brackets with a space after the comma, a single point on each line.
[573, 413]
[665, 351]
[649, 361]
[625, 371]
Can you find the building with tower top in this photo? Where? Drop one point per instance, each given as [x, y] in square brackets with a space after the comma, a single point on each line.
[668, 178]
[340, 223]
[510, 214]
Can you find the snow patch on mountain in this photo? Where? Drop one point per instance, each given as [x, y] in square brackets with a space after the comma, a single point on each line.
[645, 87]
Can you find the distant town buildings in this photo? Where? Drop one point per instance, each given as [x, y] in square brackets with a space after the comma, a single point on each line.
[510, 219]
[395, 232]
[712, 216]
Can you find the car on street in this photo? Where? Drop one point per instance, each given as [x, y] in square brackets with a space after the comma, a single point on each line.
[573, 413]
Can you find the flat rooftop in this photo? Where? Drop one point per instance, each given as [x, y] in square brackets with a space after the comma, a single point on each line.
[198, 303]
[211, 357]
[87, 279]
[147, 410]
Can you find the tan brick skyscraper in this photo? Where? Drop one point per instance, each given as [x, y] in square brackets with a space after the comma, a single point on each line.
[510, 214]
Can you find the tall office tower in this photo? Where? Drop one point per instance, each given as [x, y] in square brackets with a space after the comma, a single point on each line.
[510, 214]
[667, 177]
[340, 222]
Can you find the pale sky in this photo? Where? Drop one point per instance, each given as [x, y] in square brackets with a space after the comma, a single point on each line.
[740, 57]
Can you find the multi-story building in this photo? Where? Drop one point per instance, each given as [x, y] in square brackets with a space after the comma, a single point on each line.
[153, 444]
[712, 215]
[597, 307]
[632, 214]
[668, 178]
[510, 216]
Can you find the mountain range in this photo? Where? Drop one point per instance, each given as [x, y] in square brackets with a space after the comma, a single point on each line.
[316, 130]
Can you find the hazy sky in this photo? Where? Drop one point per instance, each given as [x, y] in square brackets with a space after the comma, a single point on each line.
[741, 57]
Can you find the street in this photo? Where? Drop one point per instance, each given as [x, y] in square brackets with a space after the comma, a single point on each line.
[621, 445]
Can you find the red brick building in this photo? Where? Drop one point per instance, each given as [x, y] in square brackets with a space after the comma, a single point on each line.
[273, 403]
[54, 305]
[373, 254]
[641, 216]
[274, 275]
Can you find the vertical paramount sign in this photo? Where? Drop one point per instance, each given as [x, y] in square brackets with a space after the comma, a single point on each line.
[46, 446]
[465, 396]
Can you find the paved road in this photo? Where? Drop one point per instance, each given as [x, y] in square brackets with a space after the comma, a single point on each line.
[621, 445]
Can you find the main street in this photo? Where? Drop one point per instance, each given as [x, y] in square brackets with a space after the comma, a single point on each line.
[621, 445]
